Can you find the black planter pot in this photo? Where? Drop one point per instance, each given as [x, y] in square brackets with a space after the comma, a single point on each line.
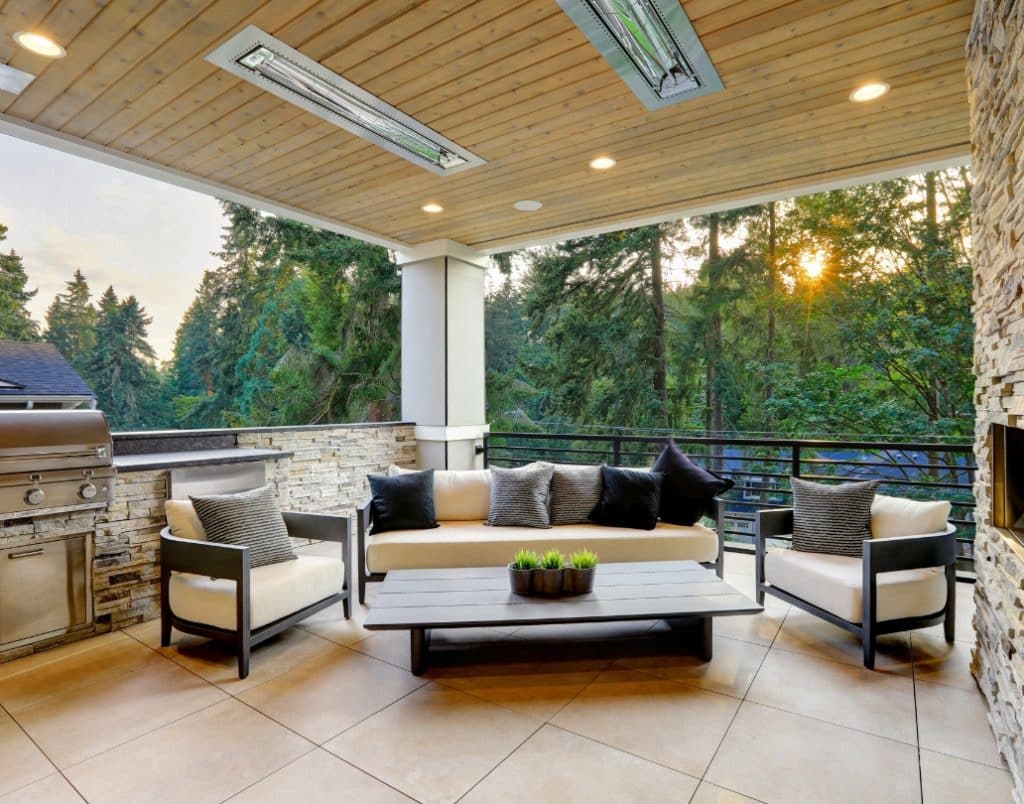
[578, 581]
[520, 580]
[547, 582]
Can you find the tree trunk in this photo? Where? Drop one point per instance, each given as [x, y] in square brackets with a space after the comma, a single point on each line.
[714, 416]
[660, 379]
[931, 211]
[769, 391]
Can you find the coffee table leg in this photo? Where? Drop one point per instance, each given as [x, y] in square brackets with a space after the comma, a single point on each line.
[704, 639]
[419, 645]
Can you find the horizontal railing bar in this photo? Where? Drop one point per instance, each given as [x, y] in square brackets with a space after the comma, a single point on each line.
[942, 467]
[888, 482]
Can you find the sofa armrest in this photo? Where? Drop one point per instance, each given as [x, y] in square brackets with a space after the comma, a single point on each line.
[203, 558]
[911, 552]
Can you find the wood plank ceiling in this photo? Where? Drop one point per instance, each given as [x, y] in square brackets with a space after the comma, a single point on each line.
[518, 84]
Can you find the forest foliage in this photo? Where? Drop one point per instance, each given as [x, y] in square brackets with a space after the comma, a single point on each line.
[846, 312]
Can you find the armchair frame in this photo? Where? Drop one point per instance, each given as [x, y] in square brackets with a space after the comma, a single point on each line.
[880, 556]
[232, 562]
[364, 523]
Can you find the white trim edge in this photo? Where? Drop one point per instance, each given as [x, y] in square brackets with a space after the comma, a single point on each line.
[465, 432]
[40, 135]
[442, 248]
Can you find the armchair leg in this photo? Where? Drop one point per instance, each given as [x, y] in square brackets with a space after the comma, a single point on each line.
[362, 587]
[345, 607]
[869, 650]
[949, 626]
[243, 655]
[165, 632]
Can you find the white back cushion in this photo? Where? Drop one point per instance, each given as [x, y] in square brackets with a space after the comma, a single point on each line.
[898, 516]
[462, 494]
[183, 520]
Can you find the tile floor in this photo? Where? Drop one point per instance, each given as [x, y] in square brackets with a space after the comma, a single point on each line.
[784, 713]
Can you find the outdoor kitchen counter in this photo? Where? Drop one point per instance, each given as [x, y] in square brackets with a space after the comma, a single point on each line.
[196, 457]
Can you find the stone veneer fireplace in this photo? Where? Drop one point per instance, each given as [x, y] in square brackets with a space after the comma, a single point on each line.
[995, 55]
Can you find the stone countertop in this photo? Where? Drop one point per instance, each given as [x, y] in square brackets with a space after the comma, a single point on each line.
[197, 457]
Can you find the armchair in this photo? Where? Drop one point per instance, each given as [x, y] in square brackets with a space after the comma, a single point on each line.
[209, 589]
[901, 582]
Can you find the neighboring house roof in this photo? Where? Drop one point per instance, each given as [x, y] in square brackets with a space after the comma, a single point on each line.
[38, 370]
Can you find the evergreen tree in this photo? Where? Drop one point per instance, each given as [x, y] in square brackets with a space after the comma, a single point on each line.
[71, 321]
[15, 320]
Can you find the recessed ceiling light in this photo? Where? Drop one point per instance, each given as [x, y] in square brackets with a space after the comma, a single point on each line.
[40, 44]
[602, 163]
[432, 208]
[527, 206]
[273, 66]
[869, 92]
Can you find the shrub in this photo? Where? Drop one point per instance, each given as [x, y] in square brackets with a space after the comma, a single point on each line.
[583, 559]
[526, 560]
[552, 560]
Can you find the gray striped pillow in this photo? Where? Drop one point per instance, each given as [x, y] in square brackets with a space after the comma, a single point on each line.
[249, 518]
[575, 492]
[520, 496]
[832, 519]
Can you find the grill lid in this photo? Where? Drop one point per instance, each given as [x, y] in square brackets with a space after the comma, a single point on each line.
[35, 440]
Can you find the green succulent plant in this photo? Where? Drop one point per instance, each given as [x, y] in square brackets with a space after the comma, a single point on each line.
[552, 560]
[583, 559]
[526, 560]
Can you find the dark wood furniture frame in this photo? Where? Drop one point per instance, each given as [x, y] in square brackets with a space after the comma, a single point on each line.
[232, 562]
[683, 593]
[364, 523]
[880, 555]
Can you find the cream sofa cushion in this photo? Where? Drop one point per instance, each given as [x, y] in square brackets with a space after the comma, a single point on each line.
[474, 544]
[459, 495]
[898, 516]
[183, 520]
[835, 583]
[275, 591]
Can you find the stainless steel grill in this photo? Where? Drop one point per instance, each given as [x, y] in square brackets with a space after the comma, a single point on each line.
[54, 461]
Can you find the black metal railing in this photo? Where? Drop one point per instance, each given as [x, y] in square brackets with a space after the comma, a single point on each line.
[762, 467]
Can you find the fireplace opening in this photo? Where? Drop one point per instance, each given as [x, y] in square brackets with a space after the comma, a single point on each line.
[1008, 479]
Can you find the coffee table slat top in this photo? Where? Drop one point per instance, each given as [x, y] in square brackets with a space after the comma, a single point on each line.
[467, 597]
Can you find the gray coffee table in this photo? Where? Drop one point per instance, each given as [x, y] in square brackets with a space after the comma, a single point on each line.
[682, 592]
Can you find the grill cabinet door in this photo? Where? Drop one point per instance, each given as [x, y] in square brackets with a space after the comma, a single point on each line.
[42, 588]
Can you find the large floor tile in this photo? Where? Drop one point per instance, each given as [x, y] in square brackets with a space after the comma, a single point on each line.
[202, 758]
[760, 628]
[435, 744]
[954, 721]
[964, 626]
[591, 772]
[319, 777]
[673, 724]
[777, 756]
[53, 789]
[804, 633]
[878, 703]
[88, 720]
[331, 693]
[939, 662]
[66, 670]
[948, 780]
[393, 646]
[331, 624]
[538, 691]
[730, 671]
[21, 762]
[708, 793]
[216, 662]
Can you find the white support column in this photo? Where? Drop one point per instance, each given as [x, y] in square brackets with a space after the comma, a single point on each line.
[443, 374]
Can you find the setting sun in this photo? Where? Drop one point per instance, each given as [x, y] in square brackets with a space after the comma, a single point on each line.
[813, 264]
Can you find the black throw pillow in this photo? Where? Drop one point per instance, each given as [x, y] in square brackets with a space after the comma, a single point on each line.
[403, 502]
[688, 491]
[629, 498]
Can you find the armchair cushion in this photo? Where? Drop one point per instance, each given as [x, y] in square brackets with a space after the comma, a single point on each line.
[832, 518]
[183, 520]
[275, 591]
[898, 516]
[250, 518]
[835, 583]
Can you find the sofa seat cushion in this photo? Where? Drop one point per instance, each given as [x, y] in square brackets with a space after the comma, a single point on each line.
[474, 544]
[275, 591]
[834, 583]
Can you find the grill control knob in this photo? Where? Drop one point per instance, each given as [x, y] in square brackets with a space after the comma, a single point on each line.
[87, 491]
[34, 496]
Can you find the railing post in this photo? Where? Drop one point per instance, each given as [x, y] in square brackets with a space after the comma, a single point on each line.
[616, 450]
[485, 450]
[795, 460]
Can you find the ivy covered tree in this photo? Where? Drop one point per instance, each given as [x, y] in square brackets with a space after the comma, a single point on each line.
[15, 320]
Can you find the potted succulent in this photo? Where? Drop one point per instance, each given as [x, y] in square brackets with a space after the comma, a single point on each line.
[520, 571]
[547, 580]
[578, 578]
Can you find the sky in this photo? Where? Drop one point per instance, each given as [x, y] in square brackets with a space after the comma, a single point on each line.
[142, 236]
